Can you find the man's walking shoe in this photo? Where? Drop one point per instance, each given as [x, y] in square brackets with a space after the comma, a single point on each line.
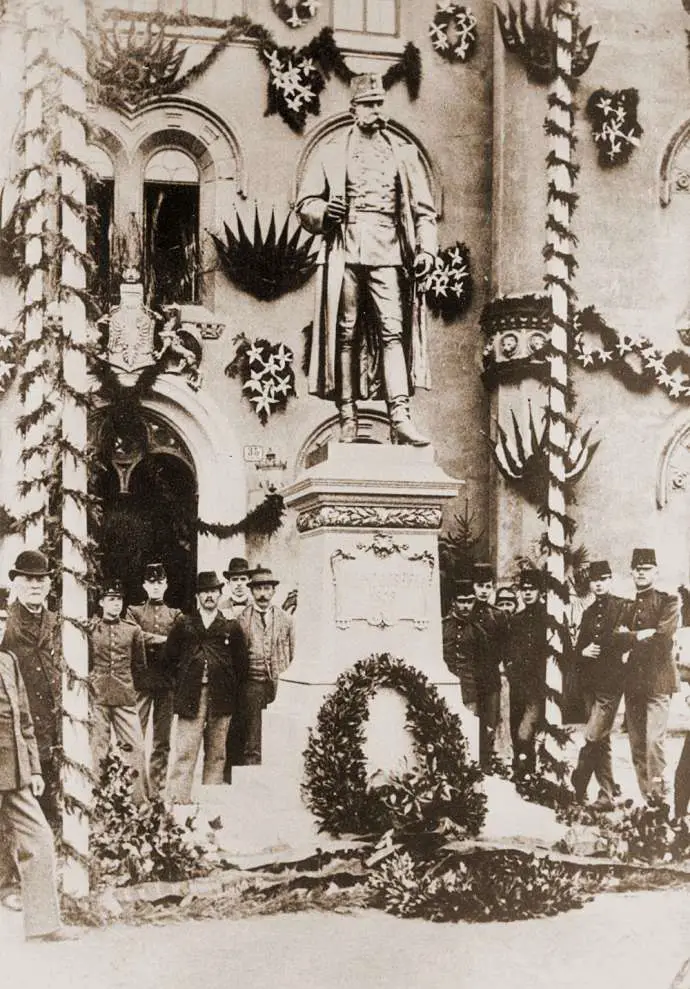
[59, 934]
[602, 805]
[403, 430]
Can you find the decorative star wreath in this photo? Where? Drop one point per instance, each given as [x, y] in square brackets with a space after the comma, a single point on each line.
[453, 32]
[296, 14]
[265, 370]
[669, 371]
[615, 127]
[336, 788]
[448, 286]
[294, 85]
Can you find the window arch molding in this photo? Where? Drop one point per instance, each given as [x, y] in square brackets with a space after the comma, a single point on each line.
[669, 177]
[329, 128]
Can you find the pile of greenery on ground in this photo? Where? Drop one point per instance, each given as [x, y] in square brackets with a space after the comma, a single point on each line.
[132, 844]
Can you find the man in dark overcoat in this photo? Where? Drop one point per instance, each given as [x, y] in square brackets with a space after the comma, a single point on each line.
[652, 677]
[23, 824]
[600, 656]
[33, 636]
[206, 656]
[525, 657]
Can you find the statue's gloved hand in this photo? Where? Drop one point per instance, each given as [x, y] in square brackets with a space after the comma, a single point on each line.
[336, 208]
[423, 264]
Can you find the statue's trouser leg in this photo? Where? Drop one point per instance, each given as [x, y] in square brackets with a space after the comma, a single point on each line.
[384, 292]
[347, 319]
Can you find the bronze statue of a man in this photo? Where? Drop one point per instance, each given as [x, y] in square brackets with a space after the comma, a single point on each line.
[367, 193]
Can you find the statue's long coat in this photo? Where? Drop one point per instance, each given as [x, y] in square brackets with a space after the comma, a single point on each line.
[416, 216]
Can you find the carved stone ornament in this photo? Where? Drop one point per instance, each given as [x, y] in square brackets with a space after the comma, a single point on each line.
[383, 584]
[131, 331]
[516, 328]
[368, 517]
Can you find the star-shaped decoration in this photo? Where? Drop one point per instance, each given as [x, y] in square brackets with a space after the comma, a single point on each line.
[256, 354]
[282, 385]
[586, 356]
[624, 345]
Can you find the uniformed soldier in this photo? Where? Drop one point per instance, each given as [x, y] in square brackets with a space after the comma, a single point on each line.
[117, 663]
[526, 655]
[473, 644]
[652, 676]
[600, 657]
[155, 692]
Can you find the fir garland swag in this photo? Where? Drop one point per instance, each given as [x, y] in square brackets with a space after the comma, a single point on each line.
[445, 785]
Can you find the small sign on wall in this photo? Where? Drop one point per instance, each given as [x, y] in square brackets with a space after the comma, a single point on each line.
[253, 453]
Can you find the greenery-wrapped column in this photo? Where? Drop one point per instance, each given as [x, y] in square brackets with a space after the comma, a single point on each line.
[76, 782]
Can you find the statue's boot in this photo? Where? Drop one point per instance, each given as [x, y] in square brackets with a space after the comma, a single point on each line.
[348, 422]
[403, 430]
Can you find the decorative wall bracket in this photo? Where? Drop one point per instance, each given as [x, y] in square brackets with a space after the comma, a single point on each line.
[517, 329]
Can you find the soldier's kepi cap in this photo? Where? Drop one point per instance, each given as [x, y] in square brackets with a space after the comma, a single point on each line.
[506, 594]
[154, 572]
[367, 88]
[463, 589]
[599, 570]
[530, 577]
[111, 589]
[30, 563]
[643, 558]
[482, 573]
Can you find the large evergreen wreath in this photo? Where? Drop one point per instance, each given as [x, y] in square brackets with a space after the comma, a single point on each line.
[444, 786]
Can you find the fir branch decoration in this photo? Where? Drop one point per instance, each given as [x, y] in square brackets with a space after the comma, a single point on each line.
[266, 266]
[266, 372]
[445, 784]
[523, 460]
[407, 69]
[10, 359]
[448, 286]
[536, 43]
[615, 127]
[453, 32]
[264, 520]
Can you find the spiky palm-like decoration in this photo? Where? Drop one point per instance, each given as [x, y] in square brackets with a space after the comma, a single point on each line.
[128, 67]
[523, 460]
[535, 44]
[266, 267]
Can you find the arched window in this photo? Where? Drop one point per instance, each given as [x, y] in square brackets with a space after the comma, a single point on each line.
[171, 227]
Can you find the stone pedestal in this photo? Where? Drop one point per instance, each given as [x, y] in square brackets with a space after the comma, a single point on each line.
[369, 517]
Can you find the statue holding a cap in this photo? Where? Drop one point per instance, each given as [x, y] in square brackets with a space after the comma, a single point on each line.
[367, 193]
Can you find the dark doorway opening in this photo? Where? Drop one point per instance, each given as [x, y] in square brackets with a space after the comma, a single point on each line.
[149, 508]
[100, 198]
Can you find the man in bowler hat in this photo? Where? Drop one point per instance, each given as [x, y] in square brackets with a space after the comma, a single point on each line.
[207, 656]
[269, 634]
[648, 628]
[600, 657]
[155, 693]
[33, 636]
[22, 821]
[236, 595]
[367, 193]
[526, 656]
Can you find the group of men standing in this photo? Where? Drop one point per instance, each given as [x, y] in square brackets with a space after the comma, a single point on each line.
[215, 670]
[623, 649]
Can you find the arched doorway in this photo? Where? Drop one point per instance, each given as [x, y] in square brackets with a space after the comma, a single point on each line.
[149, 493]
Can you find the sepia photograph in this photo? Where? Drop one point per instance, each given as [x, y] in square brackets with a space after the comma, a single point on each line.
[345, 494]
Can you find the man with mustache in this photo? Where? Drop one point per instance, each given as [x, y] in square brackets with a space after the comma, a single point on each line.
[206, 657]
[367, 193]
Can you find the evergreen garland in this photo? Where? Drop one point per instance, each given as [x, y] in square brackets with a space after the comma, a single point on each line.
[264, 520]
[536, 43]
[445, 784]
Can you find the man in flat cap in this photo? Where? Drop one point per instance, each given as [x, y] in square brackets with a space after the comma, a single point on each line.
[207, 656]
[33, 636]
[22, 822]
[526, 655]
[117, 667]
[648, 629]
[155, 692]
[367, 193]
[269, 633]
[600, 656]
